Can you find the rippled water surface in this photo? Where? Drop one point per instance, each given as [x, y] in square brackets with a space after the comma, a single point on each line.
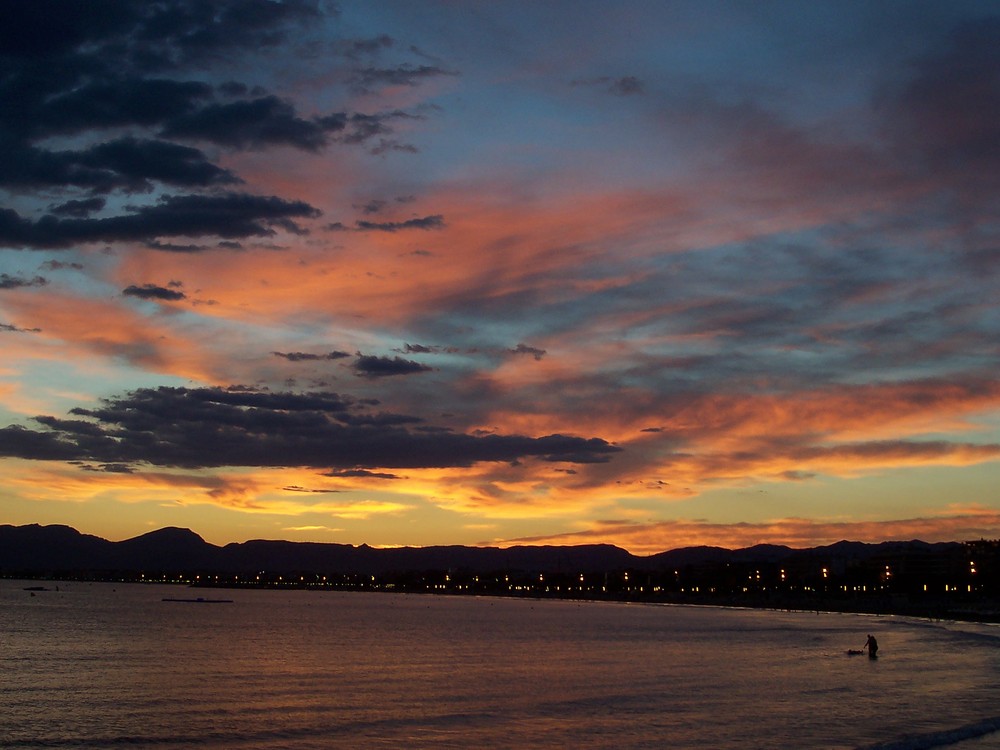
[102, 665]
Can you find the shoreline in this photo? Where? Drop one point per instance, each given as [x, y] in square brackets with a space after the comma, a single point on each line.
[982, 610]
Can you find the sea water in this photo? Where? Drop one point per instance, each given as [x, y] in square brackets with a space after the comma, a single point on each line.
[105, 665]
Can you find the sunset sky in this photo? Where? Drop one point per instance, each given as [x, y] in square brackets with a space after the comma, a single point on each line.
[405, 273]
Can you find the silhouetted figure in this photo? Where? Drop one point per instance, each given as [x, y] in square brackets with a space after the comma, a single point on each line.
[872, 645]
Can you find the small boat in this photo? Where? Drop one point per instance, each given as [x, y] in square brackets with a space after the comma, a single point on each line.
[199, 600]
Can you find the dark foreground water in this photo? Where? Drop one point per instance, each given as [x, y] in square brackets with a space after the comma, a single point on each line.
[101, 666]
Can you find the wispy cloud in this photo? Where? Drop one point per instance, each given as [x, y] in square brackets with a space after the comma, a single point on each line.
[798, 533]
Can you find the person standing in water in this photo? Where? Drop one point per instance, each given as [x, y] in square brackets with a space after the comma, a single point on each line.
[872, 645]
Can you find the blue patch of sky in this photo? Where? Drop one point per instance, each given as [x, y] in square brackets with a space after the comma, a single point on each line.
[79, 382]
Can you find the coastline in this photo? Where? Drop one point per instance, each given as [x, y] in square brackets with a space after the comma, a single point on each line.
[983, 610]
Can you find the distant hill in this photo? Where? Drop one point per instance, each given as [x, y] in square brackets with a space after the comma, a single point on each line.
[38, 549]
[35, 549]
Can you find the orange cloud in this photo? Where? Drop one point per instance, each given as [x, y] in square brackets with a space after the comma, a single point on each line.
[707, 437]
[648, 539]
[267, 492]
[486, 250]
[88, 326]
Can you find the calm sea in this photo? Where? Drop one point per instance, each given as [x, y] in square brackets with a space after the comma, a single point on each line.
[102, 666]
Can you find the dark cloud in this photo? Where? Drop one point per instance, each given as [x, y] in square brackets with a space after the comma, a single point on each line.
[116, 103]
[427, 222]
[154, 292]
[380, 419]
[623, 86]
[15, 282]
[361, 47]
[306, 357]
[190, 30]
[372, 207]
[128, 164]
[108, 35]
[370, 79]
[109, 468]
[530, 350]
[254, 124]
[361, 473]
[124, 84]
[176, 247]
[215, 427]
[234, 89]
[372, 366]
[359, 128]
[425, 349]
[8, 328]
[78, 208]
[161, 161]
[231, 215]
[58, 265]
[385, 145]
[47, 28]
[797, 476]
[626, 86]
[18, 441]
[24, 167]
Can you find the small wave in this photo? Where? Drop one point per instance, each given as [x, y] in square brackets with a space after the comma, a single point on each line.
[942, 738]
[332, 733]
[840, 689]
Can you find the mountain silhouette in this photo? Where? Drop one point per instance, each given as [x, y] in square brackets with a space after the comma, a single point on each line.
[38, 550]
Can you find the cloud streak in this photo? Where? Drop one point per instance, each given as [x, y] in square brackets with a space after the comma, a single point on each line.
[798, 533]
[205, 428]
[232, 215]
